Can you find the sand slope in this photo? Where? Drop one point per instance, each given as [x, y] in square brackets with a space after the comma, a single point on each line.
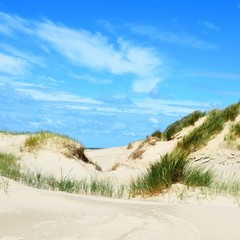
[31, 214]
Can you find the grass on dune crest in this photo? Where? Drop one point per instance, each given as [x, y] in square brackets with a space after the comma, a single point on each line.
[37, 140]
[170, 169]
[13, 132]
[177, 126]
[213, 125]
[174, 167]
[228, 114]
[66, 145]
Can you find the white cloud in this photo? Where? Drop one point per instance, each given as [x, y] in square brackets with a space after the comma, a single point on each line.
[153, 120]
[91, 79]
[118, 126]
[4, 29]
[218, 75]
[210, 25]
[184, 39]
[57, 96]
[94, 51]
[9, 24]
[90, 50]
[145, 85]
[158, 106]
[12, 65]
[27, 56]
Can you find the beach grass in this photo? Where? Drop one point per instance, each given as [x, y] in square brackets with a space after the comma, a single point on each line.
[233, 137]
[64, 144]
[158, 134]
[39, 139]
[186, 121]
[172, 168]
[10, 168]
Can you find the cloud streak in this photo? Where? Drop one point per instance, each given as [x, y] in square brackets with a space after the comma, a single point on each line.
[90, 50]
[210, 25]
[94, 51]
[184, 39]
[57, 96]
[13, 66]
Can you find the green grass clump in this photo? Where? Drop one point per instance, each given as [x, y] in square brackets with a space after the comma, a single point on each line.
[9, 166]
[231, 112]
[103, 187]
[228, 114]
[234, 132]
[230, 186]
[157, 133]
[173, 168]
[176, 127]
[213, 125]
[69, 147]
[35, 141]
[197, 177]
[233, 135]
[202, 134]
[9, 132]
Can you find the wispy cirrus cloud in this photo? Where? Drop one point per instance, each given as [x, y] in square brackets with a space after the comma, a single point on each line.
[11, 65]
[215, 75]
[57, 96]
[90, 78]
[209, 25]
[169, 107]
[144, 85]
[90, 50]
[184, 39]
[9, 24]
[26, 55]
[95, 51]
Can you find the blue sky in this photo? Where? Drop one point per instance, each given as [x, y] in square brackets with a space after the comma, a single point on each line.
[110, 72]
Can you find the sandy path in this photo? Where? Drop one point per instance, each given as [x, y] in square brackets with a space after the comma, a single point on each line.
[27, 213]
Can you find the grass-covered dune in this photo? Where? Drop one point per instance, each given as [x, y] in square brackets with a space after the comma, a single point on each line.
[172, 168]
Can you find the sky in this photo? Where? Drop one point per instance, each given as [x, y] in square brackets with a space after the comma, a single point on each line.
[108, 72]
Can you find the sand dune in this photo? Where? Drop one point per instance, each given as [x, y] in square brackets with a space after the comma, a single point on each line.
[27, 213]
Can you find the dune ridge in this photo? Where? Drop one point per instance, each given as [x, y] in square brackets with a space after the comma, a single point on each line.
[179, 212]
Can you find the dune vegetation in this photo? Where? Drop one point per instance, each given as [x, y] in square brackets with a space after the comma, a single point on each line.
[177, 126]
[10, 168]
[172, 168]
[64, 144]
[233, 136]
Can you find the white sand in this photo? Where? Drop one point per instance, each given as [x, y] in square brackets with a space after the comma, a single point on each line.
[28, 213]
